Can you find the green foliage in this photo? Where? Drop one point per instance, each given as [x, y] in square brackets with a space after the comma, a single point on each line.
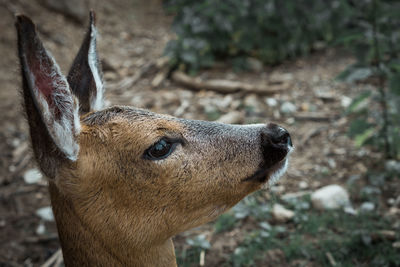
[270, 30]
[376, 44]
[191, 256]
[348, 238]
[273, 30]
[225, 222]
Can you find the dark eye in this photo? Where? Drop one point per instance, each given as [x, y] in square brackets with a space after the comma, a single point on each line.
[160, 150]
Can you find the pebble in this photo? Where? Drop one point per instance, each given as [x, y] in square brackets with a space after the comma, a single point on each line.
[330, 197]
[40, 229]
[271, 102]
[281, 214]
[367, 207]
[392, 166]
[303, 185]
[288, 107]
[345, 101]
[45, 213]
[32, 176]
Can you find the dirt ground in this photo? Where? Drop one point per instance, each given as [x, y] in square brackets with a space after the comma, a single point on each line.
[132, 34]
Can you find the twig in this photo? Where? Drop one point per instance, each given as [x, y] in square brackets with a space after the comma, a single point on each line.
[53, 259]
[202, 258]
[330, 259]
[221, 86]
[130, 81]
[36, 239]
[312, 133]
[313, 116]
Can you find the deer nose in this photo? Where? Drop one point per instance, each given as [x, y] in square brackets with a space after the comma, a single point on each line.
[275, 143]
[277, 135]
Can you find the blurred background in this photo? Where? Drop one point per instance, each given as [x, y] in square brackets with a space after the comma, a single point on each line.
[328, 70]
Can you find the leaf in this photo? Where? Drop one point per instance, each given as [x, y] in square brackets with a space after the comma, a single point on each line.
[394, 83]
[358, 74]
[358, 126]
[359, 102]
[362, 138]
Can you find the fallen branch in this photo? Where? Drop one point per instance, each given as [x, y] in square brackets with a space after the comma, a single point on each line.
[314, 116]
[330, 259]
[312, 133]
[56, 258]
[222, 86]
[128, 82]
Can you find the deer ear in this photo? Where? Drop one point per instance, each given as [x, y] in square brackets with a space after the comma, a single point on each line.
[85, 76]
[52, 110]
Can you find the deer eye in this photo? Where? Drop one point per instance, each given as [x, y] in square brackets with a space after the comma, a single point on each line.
[160, 150]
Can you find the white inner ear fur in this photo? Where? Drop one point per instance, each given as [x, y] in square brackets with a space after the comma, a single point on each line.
[96, 100]
[63, 131]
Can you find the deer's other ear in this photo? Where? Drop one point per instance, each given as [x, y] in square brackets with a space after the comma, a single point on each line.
[52, 110]
[85, 76]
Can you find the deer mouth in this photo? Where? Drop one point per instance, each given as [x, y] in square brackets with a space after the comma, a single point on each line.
[271, 171]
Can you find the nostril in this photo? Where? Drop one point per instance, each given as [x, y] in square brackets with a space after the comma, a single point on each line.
[283, 137]
[278, 135]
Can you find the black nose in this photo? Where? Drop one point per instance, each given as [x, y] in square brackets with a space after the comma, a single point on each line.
[278, 135]
[275, 143]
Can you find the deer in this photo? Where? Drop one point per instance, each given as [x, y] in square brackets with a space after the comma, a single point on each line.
[124, 181]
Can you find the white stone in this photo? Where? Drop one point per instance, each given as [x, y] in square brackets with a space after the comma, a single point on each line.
[350, 210]
[281, 214]
[41, 229]
[32, 176]
[367, 207]
[345, 101]
[330, 197]
[45, 213]
[271, 102]
[288, 107]
[303, 185]
[392, 166]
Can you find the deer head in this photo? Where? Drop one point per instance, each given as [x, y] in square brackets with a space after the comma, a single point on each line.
[124, 180]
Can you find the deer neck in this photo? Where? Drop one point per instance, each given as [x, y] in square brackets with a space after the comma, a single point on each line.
[83, 248]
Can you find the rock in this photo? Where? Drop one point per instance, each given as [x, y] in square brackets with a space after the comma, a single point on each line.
[392, 166]
[32, 176]
[254, 64]
[281, 214]
[288, 107]
[41, 229]
[232, 117]
[271, 102]
[330, 197]
[45, 213]
[350, 210]
[253, 102]
[75, 9]
[277, 188]
[396, 245]
[303, 185]
[345, 101]
[367, 207]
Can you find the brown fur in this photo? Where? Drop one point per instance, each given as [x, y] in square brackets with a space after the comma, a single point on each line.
[115, 207]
